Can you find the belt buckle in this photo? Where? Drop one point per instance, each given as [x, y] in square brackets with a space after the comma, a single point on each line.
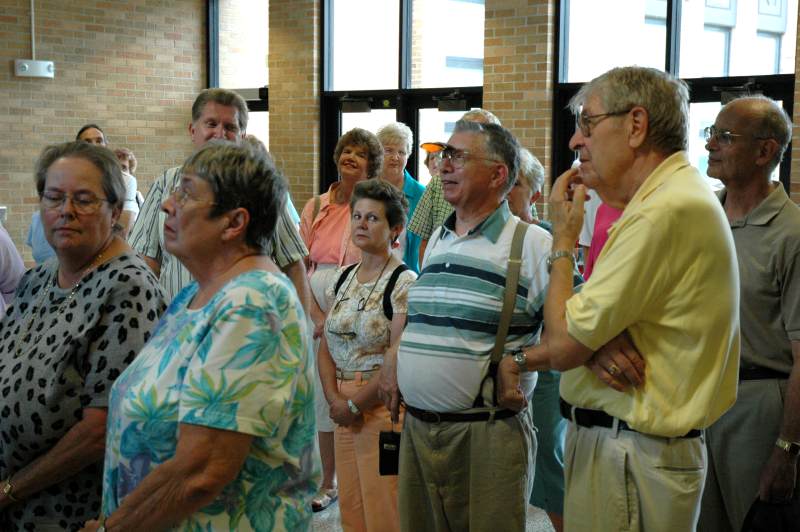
[431, 417]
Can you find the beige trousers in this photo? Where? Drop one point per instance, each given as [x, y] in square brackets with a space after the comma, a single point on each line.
[629, 481]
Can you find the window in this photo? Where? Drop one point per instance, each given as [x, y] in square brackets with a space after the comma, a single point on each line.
[721, 48]
[398, 63]
[238, 50]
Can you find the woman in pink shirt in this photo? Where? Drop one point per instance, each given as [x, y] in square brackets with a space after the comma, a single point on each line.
[325, 229]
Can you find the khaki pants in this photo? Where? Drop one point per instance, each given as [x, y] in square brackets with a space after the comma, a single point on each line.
[463, 477]
[628, 481]
[367, 501]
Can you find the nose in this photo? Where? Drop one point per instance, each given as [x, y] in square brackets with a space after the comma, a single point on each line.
[168, 205]
[577, 140]
[712, 143]
[64, 210]
[219, 132]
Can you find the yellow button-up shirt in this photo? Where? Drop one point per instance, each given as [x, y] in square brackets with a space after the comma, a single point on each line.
[668, 274]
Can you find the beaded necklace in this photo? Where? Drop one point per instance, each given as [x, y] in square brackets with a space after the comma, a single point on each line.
[25, 331]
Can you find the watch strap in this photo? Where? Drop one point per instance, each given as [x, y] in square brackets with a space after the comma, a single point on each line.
[8, 489]
[560, 254]
[790, 447]
[353, 407]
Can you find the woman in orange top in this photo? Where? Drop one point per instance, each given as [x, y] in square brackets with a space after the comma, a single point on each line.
[325, 229]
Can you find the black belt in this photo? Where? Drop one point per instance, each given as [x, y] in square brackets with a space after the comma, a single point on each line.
[597, 418]
[436, 417]
[754, 374]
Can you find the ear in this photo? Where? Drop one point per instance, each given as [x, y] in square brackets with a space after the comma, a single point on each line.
[116, 212]
[535, 197]
[767, 151]
[397, 230]
[500, 177]
[191, 129]
[238, 220]
[639, 123]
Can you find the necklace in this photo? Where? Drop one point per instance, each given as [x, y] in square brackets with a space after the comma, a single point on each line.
[362, 304]
[25, 331]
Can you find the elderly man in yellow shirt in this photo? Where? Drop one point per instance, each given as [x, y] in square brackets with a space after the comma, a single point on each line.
[667, 280]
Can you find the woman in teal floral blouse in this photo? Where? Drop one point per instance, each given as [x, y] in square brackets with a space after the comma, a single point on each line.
[212, 426]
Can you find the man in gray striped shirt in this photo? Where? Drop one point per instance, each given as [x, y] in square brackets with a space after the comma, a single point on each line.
[216, 114]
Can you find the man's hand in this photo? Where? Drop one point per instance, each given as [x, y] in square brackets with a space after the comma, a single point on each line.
[341, 414]
[618, 363]
[509, 391]
[388, 391]
[778, 477]
[566, 207]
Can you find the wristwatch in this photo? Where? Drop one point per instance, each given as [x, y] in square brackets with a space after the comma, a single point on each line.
[521, 359]
[7, 490]
[790, 447]
[353, 407]
[560, 254]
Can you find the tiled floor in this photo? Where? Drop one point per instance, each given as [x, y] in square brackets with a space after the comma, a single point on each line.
[328, 520]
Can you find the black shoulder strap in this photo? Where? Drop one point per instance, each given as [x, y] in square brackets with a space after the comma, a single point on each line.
[342, 277]
[388, 311]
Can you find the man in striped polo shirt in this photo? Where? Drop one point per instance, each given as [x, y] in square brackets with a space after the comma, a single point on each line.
[217, 114]
[462, 466]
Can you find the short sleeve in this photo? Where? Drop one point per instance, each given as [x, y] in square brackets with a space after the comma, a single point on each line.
[145, 235]
[790, 293]
[244, 374]
[287, 246]
[129, 313]
[130, 203]
[421, 223]
[594, 315]
[400, 293]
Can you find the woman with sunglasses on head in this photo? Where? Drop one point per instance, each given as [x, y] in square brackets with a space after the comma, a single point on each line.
[366, 319]
[76, 323]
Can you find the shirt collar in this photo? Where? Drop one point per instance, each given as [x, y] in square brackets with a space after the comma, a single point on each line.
[657, 177]
[490, 227]
[764, 211]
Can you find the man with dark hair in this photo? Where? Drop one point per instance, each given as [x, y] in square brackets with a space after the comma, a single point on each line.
[92, 134]
[667, 278]
[216, 114]
[753, 449]
[466, 464]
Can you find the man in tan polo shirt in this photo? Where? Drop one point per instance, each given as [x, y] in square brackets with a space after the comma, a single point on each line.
[753, 449]
[667, 277]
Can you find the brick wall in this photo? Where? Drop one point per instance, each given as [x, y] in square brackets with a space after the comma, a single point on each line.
[795, 153]
[518, 71]
[294, 72]
[132, 66]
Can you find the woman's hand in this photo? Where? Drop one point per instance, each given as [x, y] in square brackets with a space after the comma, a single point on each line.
[90, 526]
[341, 414]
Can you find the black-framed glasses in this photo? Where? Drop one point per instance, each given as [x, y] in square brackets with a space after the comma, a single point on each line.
[724, 136]
[587, 122]
[182, 195]
[82, 202]
[458, 158]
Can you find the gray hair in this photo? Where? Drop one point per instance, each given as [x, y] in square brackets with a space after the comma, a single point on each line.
[397, 132]
[665, 98]
[499, 143]
[531, 171]
[100, 156]
[367, 139]
[772, 123]
[242, 176]
[482, 116]
[221, 97]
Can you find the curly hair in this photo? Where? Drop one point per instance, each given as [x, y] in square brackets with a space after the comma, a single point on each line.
[362, 137]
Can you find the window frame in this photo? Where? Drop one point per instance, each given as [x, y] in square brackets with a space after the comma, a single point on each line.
[777, 86]
[405, 100]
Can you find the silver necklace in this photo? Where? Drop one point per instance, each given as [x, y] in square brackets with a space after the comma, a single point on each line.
[26, 330]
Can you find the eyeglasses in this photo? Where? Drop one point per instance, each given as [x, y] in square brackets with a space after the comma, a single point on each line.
[391, 152]
[82, 202]
[458, 158]
[182, 195]
[725, 137]
[586, 122]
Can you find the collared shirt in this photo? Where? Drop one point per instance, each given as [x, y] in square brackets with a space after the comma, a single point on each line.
[147, 236]
[454, 310]
[768, 250]
[327, 234]
[668, 276]
[431, 211]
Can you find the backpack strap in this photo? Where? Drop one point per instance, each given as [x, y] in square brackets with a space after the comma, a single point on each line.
[388, 311]
[509, 295]
[342, 277]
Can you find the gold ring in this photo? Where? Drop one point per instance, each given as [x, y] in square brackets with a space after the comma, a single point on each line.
[614, 370]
